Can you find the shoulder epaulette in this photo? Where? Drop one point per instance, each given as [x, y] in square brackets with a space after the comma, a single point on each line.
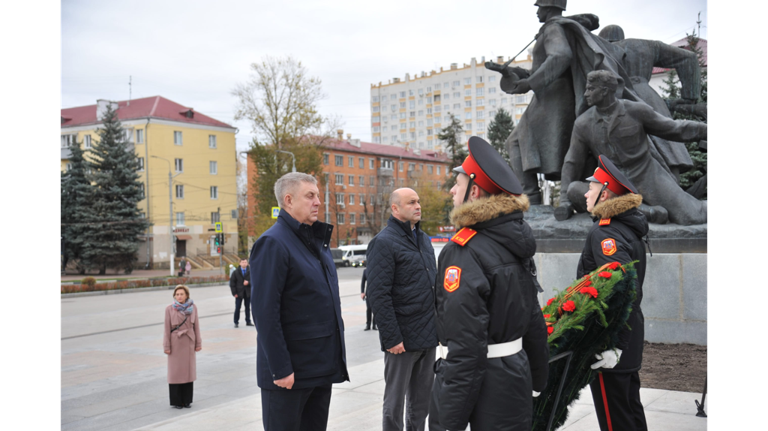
[463, 236]
[605, 221]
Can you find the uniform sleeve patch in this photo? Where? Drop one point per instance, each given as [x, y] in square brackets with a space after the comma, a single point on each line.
[608, 246]
[605, 221]
[452, 278]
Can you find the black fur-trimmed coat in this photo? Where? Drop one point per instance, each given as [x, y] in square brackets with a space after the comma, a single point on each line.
[493, 302]
[616, 236]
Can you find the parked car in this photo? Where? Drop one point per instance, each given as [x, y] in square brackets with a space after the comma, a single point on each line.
[338, 255]
[351, 251]
[358, 261]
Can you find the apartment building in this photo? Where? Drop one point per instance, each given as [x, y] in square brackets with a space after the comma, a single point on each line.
[413, 111]
[358, 178]
[199, 153]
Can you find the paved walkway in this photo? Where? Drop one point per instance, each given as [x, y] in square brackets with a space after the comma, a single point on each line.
[139, 273]
[113, 370]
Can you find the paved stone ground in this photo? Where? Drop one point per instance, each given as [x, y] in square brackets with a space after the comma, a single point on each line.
[113, 370]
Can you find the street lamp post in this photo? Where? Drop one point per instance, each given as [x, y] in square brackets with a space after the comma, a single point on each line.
[171, 263]
[294, 158]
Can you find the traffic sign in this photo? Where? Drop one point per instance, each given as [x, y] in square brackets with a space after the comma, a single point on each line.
[218, 227]
[275, 212]
[446, 228]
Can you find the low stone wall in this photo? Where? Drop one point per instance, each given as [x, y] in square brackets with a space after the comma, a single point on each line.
[674, 292]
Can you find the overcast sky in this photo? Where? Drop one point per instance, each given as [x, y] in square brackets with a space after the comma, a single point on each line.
[194, 52]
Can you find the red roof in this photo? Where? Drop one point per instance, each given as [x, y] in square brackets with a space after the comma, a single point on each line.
[392, 151]
[155, 107]
[683, 43]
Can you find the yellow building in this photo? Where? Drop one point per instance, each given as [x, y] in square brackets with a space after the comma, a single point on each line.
[197, 150]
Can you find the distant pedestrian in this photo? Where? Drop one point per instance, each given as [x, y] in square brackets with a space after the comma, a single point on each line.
[188, 267]
[181, 339]
[240, 285]
[182, 266]
[368, 314]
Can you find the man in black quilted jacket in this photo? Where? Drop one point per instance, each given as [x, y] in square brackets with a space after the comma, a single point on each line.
[401, 275]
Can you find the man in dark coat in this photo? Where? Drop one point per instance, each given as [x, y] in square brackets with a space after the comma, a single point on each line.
[401, 274]
[368, 313]
[493, 339]
[240, 285]
[616, 236]
[297, 311]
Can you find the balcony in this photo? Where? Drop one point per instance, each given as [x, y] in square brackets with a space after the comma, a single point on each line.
[385, 172]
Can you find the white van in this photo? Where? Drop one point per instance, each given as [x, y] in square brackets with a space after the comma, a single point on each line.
[353, 254]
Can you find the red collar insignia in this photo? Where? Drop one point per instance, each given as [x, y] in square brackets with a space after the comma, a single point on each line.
[605, 221]
[463, 236]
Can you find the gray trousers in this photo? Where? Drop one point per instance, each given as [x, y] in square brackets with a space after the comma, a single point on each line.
[408, 377]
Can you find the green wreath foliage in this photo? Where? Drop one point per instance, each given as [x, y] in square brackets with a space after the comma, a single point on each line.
[590, 328]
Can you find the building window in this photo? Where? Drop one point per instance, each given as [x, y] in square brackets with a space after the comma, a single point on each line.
[361, 163]
[215, 217]
[214, 192]
[211, 141]
[351, 198]
[87, 141]
[213, 167]
[340, 218]
[438, 170]
[429, 169]
[339, 198]
[371, 180]
[520, 99]
[467, 81]
[179, 163]
[176, 138]
[141, 164]
[68, 140]
[180, 219]
[351, 180]
[492, 102]
[141, 196]
[351, 162]
[400, 166]
[373, 200]
[492, 90]
[339, 160]
[438, 185]
[411, 166]
[139, 136]
[361, 180]
[401, 182]
[362, 198]
[387, 164]
[479, 79]
[411, 104]
[480, 91]
[362, 218]
[69, 167]
[468, 92]
[480, 102]
[339, 179]
[480, 114]
[326, 176]
[468, 104]
[352, 218]
[179, 191]
[325, 158]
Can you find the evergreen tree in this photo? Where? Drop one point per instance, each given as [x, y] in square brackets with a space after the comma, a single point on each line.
[453, 137]
[114, 227]
[499, 130]
[671, 92]
[76, 205]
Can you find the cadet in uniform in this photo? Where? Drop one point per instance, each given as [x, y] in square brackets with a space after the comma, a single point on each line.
[616, 237]
[493, 338]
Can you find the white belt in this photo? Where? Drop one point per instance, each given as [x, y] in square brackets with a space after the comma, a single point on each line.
[494, 350]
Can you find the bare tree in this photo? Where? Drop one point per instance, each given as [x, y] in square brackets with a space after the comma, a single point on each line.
[279, 99]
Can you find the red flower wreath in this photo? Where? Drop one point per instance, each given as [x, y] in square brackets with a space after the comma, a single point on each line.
[613, 266]
[605, 274]
[550, 301]
[589, 290]
[546, 316]
[569, 305]
[550, 330]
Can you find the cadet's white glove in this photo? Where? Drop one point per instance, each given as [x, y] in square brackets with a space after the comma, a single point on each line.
[607, 359]
[536, 394]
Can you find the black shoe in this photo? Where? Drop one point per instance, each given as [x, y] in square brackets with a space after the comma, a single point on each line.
[178, 407]
[248, 324]
[235, 325]
[187, 406]
[375, 328]
[367, 327]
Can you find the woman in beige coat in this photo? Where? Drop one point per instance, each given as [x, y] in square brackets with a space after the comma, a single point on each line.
[181, 339]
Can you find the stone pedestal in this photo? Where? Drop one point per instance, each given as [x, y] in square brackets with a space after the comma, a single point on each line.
[675, 287]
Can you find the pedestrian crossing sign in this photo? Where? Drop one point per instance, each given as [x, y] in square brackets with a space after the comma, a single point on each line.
[218, 227]
[275, 212]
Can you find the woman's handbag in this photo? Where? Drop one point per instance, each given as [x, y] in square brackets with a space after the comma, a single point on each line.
[179, 325]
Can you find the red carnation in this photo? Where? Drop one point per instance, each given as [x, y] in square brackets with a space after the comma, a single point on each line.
[605, 274]
[550, 301]
[550, 329]
[569, 306]
[546, 316]
[591, 291]
[613, 266]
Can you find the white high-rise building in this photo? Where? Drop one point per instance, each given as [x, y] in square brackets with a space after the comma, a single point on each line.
[412, 111]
